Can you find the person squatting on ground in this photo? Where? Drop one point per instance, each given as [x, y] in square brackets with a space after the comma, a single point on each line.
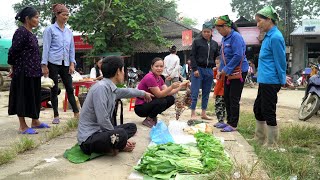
[58, 57]
[171, 70]
[24, 59]
[154, 84]
[220, 108]
[232, 55]
[203, 53]
[96, 133]
[96, 73]
[271, 76]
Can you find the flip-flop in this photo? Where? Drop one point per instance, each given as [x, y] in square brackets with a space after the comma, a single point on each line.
[206, 118]
[228, 129]
[42, 125]
[29, 131]
[55, 121]
[220, 125]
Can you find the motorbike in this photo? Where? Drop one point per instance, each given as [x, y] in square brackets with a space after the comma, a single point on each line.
[311, 101]
[132, 77]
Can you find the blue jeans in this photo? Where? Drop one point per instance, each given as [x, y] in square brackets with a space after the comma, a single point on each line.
[204, 81]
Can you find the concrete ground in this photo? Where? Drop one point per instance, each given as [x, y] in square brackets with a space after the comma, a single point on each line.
[31, 164]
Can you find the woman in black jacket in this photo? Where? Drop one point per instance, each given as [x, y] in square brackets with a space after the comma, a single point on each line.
[204, 52]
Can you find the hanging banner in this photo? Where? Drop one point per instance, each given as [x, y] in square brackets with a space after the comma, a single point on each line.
[187, 38]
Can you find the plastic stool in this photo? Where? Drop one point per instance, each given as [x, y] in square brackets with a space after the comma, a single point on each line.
[132, 102]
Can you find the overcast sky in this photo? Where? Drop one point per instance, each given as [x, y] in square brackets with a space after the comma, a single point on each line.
[201, 10]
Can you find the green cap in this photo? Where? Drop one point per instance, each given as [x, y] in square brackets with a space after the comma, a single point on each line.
[207, 25]
[269, 12]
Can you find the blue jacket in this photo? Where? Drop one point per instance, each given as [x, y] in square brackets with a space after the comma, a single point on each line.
[234, 52]
[272, 58]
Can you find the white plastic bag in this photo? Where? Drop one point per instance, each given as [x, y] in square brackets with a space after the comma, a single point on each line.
[76, 76]
[46, 82]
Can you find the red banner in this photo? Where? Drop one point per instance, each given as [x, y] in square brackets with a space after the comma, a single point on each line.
[80, 44]
[187, 38]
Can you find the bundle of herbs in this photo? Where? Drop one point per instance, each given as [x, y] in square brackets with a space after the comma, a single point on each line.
[166, 160]
[213, 156]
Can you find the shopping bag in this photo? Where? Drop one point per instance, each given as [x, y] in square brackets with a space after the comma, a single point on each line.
[160, 133]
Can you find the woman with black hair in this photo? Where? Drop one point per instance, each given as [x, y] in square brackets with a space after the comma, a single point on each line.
[96, 73]
[232, 61]
[171, 70]
[58, 57]
[24, 59]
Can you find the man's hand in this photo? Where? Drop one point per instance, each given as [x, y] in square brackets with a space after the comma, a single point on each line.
[148, 97]
[45, 70]
[196, 73]
[71, 68]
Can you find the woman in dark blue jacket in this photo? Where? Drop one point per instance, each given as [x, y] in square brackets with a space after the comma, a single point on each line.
[233, 50]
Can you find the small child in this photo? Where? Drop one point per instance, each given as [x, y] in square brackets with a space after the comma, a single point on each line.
[218, 94]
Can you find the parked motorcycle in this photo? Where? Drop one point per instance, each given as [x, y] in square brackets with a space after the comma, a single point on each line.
[132, 77]
[311, 101]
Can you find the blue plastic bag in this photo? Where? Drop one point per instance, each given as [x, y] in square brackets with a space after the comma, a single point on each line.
[160, 133]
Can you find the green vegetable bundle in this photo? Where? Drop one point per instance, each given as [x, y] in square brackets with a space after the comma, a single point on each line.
[213, 155]
[166, 160]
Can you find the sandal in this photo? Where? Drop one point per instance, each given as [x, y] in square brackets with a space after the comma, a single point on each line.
[55, 121]
[42, 125]
[228, 129]
[149, 123]
[29, 131]
[220, 125]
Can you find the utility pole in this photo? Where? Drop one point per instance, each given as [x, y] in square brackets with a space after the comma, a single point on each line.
[288, 21]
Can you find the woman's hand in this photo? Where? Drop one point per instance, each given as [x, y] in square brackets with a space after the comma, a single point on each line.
[168, 78]
[219, 74]
[175, 85]
[184, 84]
[71, 68]
[10, 72]
[196, 73]
[45, 70]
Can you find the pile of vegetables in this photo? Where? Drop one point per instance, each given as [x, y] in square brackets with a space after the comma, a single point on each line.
[213, 155]
[166, 160]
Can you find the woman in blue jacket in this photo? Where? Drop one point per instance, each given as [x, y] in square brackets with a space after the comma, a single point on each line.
[271, 75]
[233, 49]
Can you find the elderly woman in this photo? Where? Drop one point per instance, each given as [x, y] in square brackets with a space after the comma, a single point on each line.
[24, 59]
[271, 75]
[232, 61]
[203, 53]
[58, 57]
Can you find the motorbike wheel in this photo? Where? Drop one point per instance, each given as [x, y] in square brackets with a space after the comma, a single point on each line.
[308, 109]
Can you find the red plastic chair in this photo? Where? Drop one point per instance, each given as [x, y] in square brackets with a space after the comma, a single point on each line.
[132, 102]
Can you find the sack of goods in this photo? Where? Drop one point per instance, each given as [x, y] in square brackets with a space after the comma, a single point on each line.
[46, 82]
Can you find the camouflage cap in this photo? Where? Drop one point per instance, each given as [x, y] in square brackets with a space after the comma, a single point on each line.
[269, 12]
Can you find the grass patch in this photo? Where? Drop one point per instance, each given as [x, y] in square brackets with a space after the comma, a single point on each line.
[25, 143]
[301, 157]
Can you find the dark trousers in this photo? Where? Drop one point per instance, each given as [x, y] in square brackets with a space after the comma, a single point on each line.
[66, 78]
[232, 96]
[155, 107]
[266, 102]
[220, 108]
[105, 141]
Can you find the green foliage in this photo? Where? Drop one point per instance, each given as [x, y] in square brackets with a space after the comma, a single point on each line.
[45, 9]
[188, 21]
[299, 8]
[115, 26]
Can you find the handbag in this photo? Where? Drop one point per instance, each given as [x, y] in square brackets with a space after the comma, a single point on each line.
[237, 73]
